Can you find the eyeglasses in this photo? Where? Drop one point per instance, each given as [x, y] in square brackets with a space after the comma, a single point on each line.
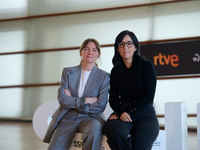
[129, 44]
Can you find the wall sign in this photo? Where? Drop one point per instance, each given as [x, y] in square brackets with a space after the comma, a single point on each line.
[175, 58]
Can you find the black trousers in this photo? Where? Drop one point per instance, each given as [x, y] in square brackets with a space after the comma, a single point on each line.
[144, 130]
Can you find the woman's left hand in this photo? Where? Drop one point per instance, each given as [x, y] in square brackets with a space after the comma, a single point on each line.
[125, 117]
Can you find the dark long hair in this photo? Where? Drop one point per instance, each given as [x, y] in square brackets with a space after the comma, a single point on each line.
[117, 59]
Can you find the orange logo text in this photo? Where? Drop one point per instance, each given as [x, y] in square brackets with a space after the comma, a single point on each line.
[166, 60]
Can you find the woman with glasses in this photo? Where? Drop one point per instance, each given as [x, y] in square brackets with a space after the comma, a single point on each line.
[132, 89]
[82, 96]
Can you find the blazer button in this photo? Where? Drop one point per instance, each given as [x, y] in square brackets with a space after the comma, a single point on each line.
[134, 108]
[131, 110]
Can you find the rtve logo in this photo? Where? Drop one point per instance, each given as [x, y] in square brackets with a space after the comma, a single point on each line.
[166, 60]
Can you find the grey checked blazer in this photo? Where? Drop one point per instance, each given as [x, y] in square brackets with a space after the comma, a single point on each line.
[97, 86]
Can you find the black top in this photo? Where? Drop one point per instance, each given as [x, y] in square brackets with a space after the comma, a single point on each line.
[133, 86]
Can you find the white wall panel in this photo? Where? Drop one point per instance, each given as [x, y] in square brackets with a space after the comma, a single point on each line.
[176, 20]
[13, 36]
[106, 59]
[13, 8]
[51, 6]
[11, 100]
[12, 69]
[33, 97]
[47, 67]
[72, 30]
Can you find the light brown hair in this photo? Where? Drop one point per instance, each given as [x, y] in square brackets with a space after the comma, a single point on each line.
[84, 44]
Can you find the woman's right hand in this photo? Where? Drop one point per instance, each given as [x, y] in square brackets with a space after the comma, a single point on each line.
[67, 92]
[90, 100]
[114, 116]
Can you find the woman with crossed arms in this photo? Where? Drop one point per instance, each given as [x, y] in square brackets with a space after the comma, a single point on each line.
[82, 96]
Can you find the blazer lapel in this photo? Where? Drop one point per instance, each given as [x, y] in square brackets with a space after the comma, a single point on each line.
[74, 80]
[92, 82]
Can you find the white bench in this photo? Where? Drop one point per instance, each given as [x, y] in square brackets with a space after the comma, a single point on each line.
[42, 118]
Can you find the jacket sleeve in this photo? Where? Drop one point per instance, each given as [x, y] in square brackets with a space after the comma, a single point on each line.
[114, 95]
[102, 97]
[149, 80]
[68, 101]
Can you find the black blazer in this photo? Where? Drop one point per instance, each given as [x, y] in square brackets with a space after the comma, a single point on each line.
[135, 84]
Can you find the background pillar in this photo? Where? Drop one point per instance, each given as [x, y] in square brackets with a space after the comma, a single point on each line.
[176, 126]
